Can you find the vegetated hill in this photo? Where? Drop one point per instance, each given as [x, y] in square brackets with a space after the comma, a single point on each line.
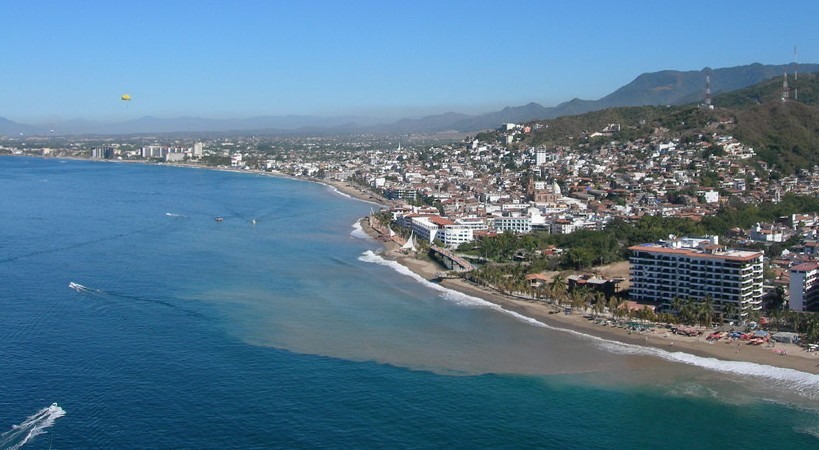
[635, 123]
[783, 134]
[770, 90]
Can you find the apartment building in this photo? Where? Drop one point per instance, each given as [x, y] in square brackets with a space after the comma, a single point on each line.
[804, 287]
[695, 269]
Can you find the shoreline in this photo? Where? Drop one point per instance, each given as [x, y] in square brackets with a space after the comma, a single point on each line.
[795, 358]
[341, 186]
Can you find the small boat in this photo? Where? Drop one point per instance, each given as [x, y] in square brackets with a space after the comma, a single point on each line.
[219, 218]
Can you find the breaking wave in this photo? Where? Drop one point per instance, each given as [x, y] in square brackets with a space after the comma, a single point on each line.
[337, 191]
[344, 194]
[358, 231]
[803, 383]
[33, 426]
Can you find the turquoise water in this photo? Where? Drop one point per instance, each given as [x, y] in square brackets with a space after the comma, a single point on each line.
[293, 333]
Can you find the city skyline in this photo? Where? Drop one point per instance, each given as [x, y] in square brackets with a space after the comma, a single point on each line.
[323, 58]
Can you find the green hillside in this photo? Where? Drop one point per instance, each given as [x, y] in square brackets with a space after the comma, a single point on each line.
[636, 123]
[784, 134]
[770, 90]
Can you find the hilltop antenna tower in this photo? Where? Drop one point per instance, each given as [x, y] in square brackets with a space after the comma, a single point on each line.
[785, 90]
[795, 76]
[708, 90]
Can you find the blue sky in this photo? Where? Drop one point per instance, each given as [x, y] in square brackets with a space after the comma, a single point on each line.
[236, 59]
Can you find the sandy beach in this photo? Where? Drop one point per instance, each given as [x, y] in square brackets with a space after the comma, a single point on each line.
[779, 355]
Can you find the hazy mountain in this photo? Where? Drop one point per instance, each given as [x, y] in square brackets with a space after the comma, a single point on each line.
[9, 128]
[671, 87]
[149, 124]
[667, 87]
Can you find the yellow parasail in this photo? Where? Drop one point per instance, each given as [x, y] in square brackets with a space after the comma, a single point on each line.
[126, 97]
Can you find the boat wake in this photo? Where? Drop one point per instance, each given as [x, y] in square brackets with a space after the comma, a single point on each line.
[98, 292]
[33, 426]
[803, 383]
[181, 216]
[83, 289]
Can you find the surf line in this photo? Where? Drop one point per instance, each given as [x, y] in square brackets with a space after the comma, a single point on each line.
[804, 383]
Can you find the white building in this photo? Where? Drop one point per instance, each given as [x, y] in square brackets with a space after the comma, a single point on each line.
[174, 157]
[518, 225]
[541, 157]
[766, 234]
[450, 233]
[711, 196]
[562, 226]
[473, 223]
[804, 287]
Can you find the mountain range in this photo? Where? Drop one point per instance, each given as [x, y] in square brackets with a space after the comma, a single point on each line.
[668, 87]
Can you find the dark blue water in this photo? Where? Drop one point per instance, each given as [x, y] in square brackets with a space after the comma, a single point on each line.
[188, 333]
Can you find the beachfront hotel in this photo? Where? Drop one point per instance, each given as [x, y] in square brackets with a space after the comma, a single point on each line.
[804, 287]
[691, 268]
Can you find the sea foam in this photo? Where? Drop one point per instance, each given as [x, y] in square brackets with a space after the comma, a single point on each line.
[343, 194]
[33, 426]
[358, 231]
[804, 383]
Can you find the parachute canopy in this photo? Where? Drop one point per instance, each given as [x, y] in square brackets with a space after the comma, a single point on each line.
[126, 97]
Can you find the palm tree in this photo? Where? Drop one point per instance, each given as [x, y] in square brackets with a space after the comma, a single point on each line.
[576, 299]
[612, 305]
[795, 319]
[599, 303]
[812, 328]
[558, 288]
[707, 308]
[676, 305]
[730, 311]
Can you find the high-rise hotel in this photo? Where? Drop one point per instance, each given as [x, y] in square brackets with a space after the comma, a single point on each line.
[691, 268]
[804, 287]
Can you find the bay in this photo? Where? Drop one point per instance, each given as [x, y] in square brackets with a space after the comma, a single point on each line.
[291, 332]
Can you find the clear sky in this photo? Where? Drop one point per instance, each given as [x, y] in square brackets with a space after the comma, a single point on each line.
[383, 58]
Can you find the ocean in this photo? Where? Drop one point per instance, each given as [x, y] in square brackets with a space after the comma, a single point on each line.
[282, 327]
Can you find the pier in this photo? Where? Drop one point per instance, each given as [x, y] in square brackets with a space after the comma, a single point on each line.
[450, 260]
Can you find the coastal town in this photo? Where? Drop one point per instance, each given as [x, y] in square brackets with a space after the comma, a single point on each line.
[450, 196]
